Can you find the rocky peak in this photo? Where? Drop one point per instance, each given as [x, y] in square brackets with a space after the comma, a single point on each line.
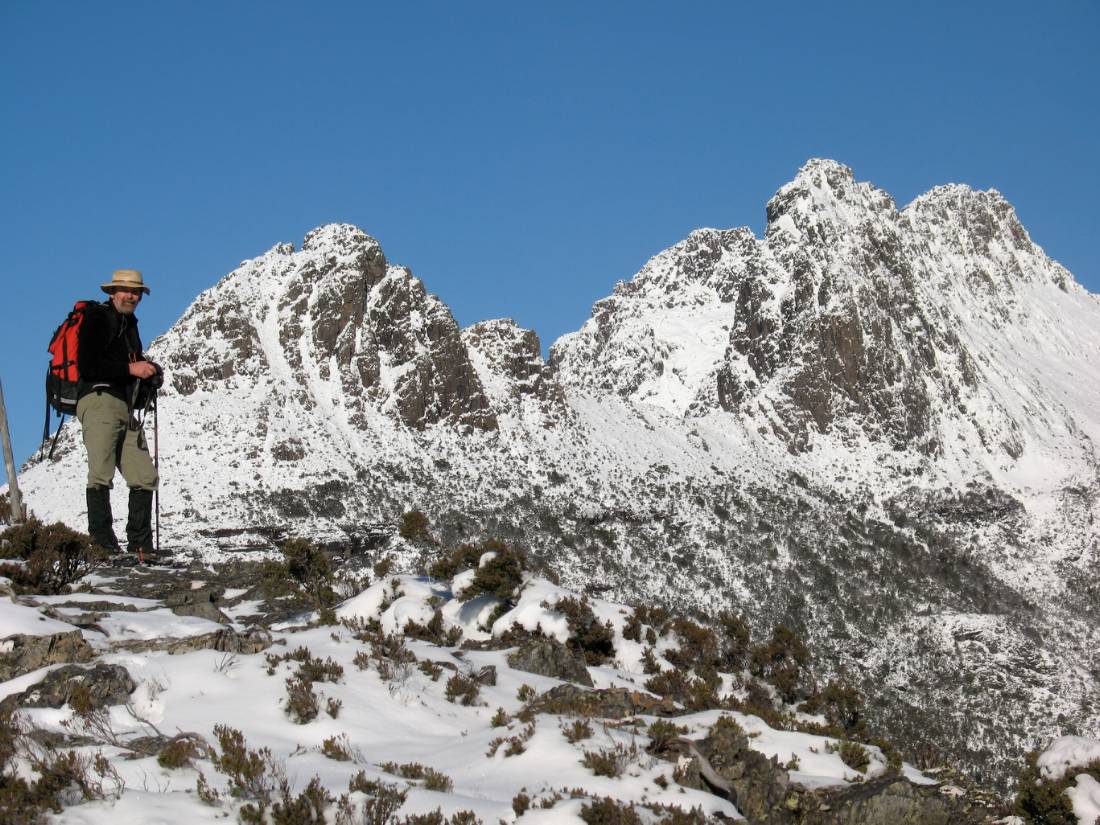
[1001, 257]
[823, 203]
[333, 321]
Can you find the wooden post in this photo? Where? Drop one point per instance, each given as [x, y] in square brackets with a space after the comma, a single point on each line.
[9, 463]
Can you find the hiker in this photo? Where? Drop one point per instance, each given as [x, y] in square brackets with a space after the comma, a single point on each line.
[115, 381]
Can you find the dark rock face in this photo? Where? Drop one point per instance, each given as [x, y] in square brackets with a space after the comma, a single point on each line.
[549, 657]
[98, 686]
[841, 332]
[27, 653]
[439, 384]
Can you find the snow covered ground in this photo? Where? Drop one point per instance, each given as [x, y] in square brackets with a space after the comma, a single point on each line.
[379, 714]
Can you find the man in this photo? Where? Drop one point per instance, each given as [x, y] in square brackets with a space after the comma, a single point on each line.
[115, 377]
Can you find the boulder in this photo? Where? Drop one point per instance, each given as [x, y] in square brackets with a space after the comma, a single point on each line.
[100, 685]
[549, 657]
[22, 653]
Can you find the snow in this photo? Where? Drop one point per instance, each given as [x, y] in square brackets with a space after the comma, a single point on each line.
[154, 624]
[1066, 753]
[402, 718]
[21, 620]
[1085, 798]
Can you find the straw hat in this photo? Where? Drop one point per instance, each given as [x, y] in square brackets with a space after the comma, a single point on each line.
[130, 278]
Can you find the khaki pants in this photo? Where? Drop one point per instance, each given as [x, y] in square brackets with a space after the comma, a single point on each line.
[112, 444]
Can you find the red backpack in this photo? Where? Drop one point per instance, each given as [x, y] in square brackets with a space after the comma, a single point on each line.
[62, 375]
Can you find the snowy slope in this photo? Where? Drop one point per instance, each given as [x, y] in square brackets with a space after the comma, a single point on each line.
[877, 426]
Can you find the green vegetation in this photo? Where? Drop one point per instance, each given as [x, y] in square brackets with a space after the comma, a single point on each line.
[303, 577]
[48, 557]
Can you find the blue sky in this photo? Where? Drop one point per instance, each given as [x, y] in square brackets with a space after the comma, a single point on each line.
[519, 157]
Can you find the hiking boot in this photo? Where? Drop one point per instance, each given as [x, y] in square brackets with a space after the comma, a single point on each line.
[139, 530]
[100, 521]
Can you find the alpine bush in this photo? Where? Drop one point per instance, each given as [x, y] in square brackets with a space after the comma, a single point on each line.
[50, 556]
[500, 575]
[782, 662]
[304, 576]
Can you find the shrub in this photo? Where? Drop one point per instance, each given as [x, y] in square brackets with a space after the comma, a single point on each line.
[414, 527]
[500, 576]
[610, 762]
[578, 730]
[431, 632]
[587, 636]
[842, 705]
[736, 641]
[179, 752]
[520, 803]
[55, 779]
[430, 669]
[782, 662]
[301, 701]
[662, 730]
[52, 555]
[608, 811]
[852, 754]
[433, 780]
[698, 645]
[304, 575]
[632, 628]
[380, 809]
[462, 688]
[693, 693]
[727, 726]
[463, 557]
[516, 744]
[337, 748]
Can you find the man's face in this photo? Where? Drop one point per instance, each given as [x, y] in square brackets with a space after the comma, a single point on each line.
[125, 300]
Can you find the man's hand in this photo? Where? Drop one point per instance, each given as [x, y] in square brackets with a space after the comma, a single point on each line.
[143, 369]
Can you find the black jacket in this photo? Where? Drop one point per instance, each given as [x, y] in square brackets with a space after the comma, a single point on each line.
[109, 341]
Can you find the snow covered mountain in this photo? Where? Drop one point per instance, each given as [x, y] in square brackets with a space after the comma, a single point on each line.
[878, 427]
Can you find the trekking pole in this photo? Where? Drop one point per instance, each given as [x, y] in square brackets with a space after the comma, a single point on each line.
[156, 464]
[9, 463]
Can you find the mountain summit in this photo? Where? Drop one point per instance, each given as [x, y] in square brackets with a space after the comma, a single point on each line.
[876, 426]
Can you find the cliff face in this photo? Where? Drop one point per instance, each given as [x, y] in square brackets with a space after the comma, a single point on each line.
[877, 426]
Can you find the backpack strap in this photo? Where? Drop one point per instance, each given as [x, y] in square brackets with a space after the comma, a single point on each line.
[57, 435]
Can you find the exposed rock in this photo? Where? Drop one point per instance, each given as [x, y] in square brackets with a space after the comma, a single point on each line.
[201, 602]
[486, 675]
[226, 640]
[549, 657]
[763, 792]
[22, 654]
[604, 703]
[99, 686]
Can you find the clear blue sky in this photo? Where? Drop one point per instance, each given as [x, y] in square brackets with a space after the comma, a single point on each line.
[519, 157]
